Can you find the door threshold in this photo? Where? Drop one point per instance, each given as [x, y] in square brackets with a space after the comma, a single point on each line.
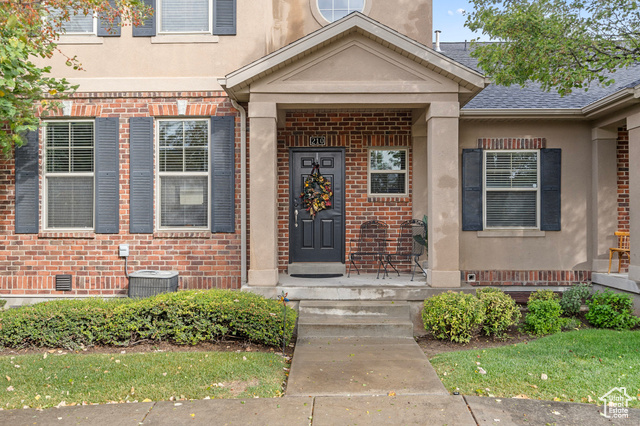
[305, 268]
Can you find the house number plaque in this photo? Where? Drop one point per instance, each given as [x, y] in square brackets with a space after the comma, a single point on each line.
[317, 141]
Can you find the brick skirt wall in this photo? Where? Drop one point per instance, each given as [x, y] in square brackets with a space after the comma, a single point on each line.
[528, 278]
[356, 131]
[29, 262]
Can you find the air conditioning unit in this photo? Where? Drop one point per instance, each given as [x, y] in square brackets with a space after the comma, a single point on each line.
[149, 283]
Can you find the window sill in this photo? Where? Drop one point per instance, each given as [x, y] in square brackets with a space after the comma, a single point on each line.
[184, 39]
[76, 235]
[182, 234]
[511, 233]
[80, 39]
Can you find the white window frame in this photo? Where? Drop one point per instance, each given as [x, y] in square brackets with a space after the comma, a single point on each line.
[485, 189]
[319, 17]
[94, 32]
[405, 172]
[159, 11]
[46, 175]
[159, 174]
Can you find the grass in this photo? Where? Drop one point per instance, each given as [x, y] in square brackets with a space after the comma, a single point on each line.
[580, 366]
[45, 380]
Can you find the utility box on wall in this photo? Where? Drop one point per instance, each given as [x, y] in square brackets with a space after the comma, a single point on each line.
[149, 283]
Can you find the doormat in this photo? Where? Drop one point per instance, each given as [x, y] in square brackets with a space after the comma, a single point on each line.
[315, 275]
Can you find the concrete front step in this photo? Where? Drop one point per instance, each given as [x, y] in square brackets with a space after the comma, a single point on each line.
[354, 319]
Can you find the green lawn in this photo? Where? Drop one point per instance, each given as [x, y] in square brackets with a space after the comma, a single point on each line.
[47, 380]
[580, 366]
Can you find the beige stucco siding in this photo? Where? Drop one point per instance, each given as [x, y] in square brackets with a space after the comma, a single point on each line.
[562, 250]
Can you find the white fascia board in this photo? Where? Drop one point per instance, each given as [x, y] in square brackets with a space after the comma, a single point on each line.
[528, 113]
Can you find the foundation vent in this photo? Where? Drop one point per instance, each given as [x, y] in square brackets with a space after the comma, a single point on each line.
[63, 282]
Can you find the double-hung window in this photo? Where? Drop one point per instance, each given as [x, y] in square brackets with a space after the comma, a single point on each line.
[69, 175]
[78, 23]
[183, 170]
[387, 171]
[512, 189]
[185, 16]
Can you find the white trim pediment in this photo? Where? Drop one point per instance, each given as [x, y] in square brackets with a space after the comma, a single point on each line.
[354, 64]
[418, 63]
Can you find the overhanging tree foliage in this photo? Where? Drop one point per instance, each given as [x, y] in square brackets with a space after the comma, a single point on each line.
[561, 44]
[29, 30]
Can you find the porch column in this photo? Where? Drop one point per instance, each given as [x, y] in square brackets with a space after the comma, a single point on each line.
[604, 199]
[263, 190]
[419, 190]
[443, 194]
[633, 125]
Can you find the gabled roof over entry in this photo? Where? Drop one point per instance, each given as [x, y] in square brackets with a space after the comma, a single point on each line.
[367, 31]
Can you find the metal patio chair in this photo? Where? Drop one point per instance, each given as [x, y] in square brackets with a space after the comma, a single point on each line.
[408, 245]
[371, 242]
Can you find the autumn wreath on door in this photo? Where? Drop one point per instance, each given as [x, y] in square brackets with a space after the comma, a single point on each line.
[317, 193]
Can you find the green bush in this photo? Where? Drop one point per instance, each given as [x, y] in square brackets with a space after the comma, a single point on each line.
[186, 317]
[3, 303]
[573, 298]
[543, 295]
[611, 310]
[500, 311]
[453, 316]
[543, 317]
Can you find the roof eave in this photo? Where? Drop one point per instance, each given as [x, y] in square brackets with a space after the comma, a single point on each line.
[522, 113]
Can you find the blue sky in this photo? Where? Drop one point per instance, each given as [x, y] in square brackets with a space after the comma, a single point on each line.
[448, 17]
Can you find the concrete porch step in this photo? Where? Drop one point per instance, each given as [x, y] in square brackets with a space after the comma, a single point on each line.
[354, 319]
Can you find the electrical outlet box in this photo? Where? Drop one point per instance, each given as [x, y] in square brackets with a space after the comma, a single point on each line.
[123, 250]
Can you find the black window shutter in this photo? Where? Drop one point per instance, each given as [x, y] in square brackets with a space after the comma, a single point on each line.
[149, 27]
[550, 173]
[106, 28]
[107, 187]
[224, 17]
[141, 175]
[27, 185]
[472, 190]
[223, 174]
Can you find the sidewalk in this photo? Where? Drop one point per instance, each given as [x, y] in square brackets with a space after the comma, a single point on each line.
[317, 411]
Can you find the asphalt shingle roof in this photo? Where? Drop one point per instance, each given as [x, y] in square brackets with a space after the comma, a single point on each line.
[532, 96]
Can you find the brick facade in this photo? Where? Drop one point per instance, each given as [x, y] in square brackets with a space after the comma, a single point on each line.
[29, 262]
[528, 278]
[622, 152]
[356, 131]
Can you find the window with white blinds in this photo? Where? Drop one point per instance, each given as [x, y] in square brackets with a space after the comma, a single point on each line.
[77, 24]
[511, 189]
[69, 175]
[332, 10]
[183, 170]
[387, 171]
[185, 16]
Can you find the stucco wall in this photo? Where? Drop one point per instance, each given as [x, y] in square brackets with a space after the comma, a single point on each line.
[564, 250]
[194, 62]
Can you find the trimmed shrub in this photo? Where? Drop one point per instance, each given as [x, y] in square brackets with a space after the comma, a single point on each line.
[611, 310]
[543, 295]
[186, 317]
[543, 317]
[500, 311]
[573, 298]
[453, 316]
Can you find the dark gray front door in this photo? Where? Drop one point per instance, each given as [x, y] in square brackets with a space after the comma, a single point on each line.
[320, 239]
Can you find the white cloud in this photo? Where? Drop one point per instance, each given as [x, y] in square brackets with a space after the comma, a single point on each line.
[450, 12]
[460, 11]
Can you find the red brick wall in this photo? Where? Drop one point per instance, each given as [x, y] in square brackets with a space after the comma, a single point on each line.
[356, 131]
[29, 262]
[529, 278]
[623, 185]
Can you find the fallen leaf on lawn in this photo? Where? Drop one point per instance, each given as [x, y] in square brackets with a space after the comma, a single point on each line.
[44, 356]
[38, 397]
[521, 396]
[481, 370]
[534, 386]
[244, 358]
[10, 389]
[544, 376]
[557, 399]
[556, 413]
[62, 404]
[8, 378]
[146, 400]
